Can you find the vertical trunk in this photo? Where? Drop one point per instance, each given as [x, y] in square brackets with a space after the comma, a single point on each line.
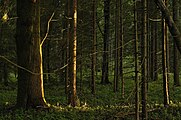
[117, 35]
[48, 59]
[154, 34]
[29, 55]
[155, 73]
[94, 48]
[164, 61]
[144, 59]
[121, 47]
[67, 49]
[153, 40]
[73, 50]
[81, 65]
[175, 50]
[105, 63]
[1, 50]
[136, 62]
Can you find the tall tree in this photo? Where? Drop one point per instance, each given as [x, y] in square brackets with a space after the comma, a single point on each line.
[73, 56]
[94, 47]
[121, 46]
[175, 50]
[67, 16]
[29, 55]
[164, 61]
[153, 42]
[117, 35]
[105, 63]
[136, 62]
[144, 58]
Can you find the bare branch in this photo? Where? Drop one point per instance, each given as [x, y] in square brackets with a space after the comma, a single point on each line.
[48, 29]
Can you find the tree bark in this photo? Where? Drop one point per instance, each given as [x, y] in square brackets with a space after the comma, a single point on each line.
[29, 55]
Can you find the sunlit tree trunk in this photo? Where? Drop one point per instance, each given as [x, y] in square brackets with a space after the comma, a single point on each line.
[29, 55]
[94, 48]
[144, 58]
[136, 62]
[73, 57]
[164, 61]
[105, 63]
[175, 50]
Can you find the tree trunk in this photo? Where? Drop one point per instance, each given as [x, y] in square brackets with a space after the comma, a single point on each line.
[144, 58]
[73, 57]
[105, 71]
[67, 80]
[175, 50]
[94, 48]
[164, 61]
[29, 55]
[117, 35]
[153, 41]
[171, 24]
[136, 62]
[121, 47]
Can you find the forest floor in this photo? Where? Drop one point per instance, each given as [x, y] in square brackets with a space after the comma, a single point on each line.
[104, 105]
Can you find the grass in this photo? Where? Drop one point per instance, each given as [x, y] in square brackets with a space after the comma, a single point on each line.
[102, 106]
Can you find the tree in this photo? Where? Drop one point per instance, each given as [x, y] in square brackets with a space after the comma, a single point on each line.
[73, 56]
[165, 60]
[117, 35]
[121, 47]
[67, 80]
[153, 42]
[105, 62]
[94, 47]
[136, 62]
[175, 50]
[29, 55]
[144, 58]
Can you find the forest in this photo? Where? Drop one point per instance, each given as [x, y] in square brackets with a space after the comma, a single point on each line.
[90, 59]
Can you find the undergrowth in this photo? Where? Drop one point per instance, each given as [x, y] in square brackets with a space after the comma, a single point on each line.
[104, 105]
